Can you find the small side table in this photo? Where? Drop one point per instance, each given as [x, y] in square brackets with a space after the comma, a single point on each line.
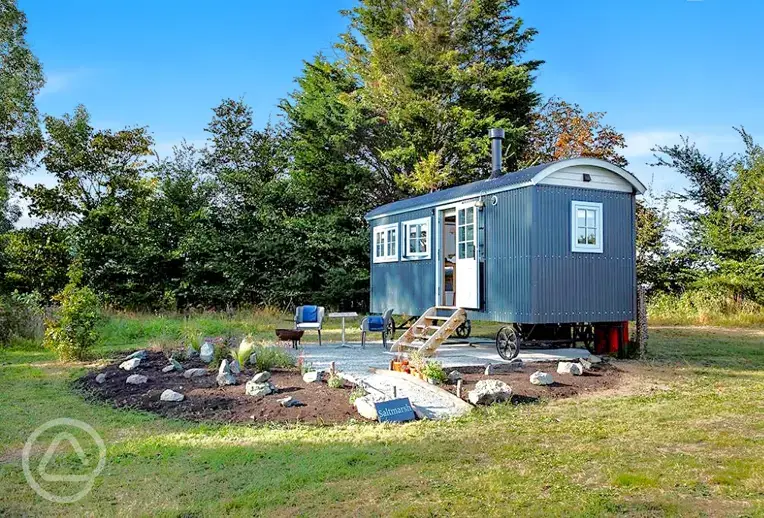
[343, 315]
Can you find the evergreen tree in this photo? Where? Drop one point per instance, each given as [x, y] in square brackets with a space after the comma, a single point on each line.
[437, 75]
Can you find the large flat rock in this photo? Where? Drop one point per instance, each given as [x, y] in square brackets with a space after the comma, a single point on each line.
[429, 401]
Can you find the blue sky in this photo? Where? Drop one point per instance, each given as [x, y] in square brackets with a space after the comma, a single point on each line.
[657, 67]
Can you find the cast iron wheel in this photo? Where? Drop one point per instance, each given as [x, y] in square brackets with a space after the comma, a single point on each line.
[464, 330]
[390, 332]
[585, 335]
[508, 342]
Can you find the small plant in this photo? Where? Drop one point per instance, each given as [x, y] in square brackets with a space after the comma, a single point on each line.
[245, 349]
[335, 381]
[74, 331]
[221, 351]
[267, 358]
[191, 336]
[434, 371]
[357, 392]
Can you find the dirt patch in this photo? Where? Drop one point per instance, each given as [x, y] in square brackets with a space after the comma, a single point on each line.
[319, 404]
[205, 401]
[599, 378]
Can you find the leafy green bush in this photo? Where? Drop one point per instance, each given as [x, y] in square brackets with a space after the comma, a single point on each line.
[73, 331]
[267, 358]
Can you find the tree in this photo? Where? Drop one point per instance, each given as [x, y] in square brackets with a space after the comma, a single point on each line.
[20, 80]
[722, 212]
[437, 75]
[35, 259]
[561, 130]
[180, 224]
[734, 230]
[102, 193]
[334, 142]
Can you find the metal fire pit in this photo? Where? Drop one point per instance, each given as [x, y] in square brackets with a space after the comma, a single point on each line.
[290, 335]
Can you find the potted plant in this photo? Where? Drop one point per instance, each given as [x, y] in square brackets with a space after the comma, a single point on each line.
[434, 373]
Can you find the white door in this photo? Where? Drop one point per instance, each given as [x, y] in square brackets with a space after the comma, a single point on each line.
[467, 292]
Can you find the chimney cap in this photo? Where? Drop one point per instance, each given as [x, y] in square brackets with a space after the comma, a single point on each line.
[495, 133]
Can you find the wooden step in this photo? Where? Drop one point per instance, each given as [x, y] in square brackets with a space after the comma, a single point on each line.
[417, 338]
[426, 327]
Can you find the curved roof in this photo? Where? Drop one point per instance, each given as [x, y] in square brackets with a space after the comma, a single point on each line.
[522, 178]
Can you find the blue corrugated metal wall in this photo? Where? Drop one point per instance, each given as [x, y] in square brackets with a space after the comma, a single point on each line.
[572, 286]
[407, 286]
[507, 257]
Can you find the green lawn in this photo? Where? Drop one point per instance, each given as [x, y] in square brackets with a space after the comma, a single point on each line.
[684, 437]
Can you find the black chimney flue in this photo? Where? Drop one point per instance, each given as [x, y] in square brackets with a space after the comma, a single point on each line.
[497, 135]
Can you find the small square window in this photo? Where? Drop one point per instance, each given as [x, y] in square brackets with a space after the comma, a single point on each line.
[417, 239]
[586, 231]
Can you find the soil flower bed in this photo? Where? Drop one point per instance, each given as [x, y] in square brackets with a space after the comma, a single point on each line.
[205, 401]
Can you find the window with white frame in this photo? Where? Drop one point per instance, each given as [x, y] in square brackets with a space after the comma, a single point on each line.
[385, 243]
[416, 235]
[586, 226]
[465, 240]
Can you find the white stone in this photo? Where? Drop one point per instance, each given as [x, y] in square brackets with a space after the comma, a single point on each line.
[225, 377]
[487, 392]
[252, 358]
[312, 376]
[586, 364]
[488, 370]
[288, 401]
[171, 395]
[141, 355]
[136, 379]
[261, 377]
[454, 376]
[195, 373]
[541, 378]
[235, 367]
[595, 359]
[129, 365]
[365, 405]
[259, 389]
[207, 352]
[569, 368]
[168, 368]
[101, 378]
